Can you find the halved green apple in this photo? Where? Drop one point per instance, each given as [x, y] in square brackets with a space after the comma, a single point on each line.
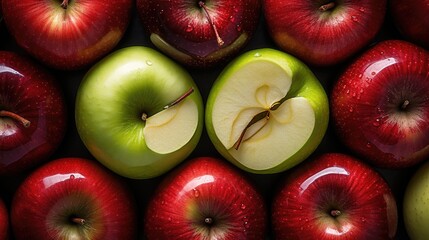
[139, 113]
[267, 111]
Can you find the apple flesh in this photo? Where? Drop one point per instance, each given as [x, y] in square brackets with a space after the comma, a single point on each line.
[266, 112]
[411, 20]
[322, 32]
[67, 34]
[139, 113]
[334, 196]
[205, 199]
[4, 221]
[415, 208]
[33, 115]
[199, 33]
[380, 105]
[73, 198]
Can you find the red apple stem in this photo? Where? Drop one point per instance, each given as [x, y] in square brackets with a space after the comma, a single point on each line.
[26, 123]
[65, 4]
[258, 117]
[181, 98]
[219, 40]
[335, 213]
[78, 220]
[405, 104]
[327, 6]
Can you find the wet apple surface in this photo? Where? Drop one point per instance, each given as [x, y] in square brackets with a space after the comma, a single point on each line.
[266, 184]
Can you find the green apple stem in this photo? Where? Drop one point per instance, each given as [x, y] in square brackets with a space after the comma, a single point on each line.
[65, 4]
[78, 220]
[145, 116]
[219, 40]
[26, 123]
[335, 213]
[327, 6]
[258, 117]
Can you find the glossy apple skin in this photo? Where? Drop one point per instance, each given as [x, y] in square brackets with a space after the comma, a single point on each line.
[323, 38]
[333, 181]
[205, 187]
[304, 84]
[73, 187]
[159, 78]
[183, 25]
[411, 19]
[30, 91]
[4, 221]
[415, 205]
[366, 105]
[67, 39]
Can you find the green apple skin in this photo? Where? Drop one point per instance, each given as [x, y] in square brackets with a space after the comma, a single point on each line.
[304, 84]
[416, 204]
[111, 99]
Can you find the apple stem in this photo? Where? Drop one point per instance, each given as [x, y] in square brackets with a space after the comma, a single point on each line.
[219, 40]
[405, 104]
[327, 6]
[208, 220]
[181, 98]
[26, 123]
[255, 119]
[335, 213]
[78, 220]
[65, 4]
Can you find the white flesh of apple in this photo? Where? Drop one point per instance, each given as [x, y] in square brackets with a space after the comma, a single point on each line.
[170, 129]
[253, 89]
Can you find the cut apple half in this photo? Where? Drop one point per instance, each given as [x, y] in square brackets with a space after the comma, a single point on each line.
[172, 128]
[257, 118]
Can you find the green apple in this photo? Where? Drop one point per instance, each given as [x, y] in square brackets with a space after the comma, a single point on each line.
[266, 112]
[416, 204]
[139, 113]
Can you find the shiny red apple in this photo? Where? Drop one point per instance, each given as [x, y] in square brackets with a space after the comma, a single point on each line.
[73, 198]
[412, 20]
[205, 199]
[4, 221]
[67, 34]
[33, 116]
[323, 32]
[199, 33]
[380, 105]
[334, 196]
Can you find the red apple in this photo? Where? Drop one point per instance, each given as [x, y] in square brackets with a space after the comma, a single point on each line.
[32, 114]
[323, 32]
[68, 34]
[73, 198]
[205, 199]
[411, 19]
[334, 196]
[4, 221]
[199, 33]
[380, 105]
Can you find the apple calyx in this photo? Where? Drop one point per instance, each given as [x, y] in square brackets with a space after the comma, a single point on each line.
[327, 6]
[258, 117]
[65, 4]
[26, 123]
[219, 40]
[78, 221]
[145, 116]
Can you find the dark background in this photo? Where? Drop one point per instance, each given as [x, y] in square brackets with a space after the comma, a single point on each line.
[143, 189]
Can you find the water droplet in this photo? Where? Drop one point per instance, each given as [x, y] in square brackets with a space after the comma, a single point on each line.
[362, 9]
[360, 75]
[372, 73]
[162, 202]
[189, 28]
[257, 54]
[234, 8]
[239, 28]
[246, 224]
[243, 206]
[351, 109]
[196, 192]
[376, 123]
[149, 63]
[381, 52]
[363, 219]
[169, 219]
[231, 18]
[348, 91]
[71, 177]
[368, 145]
[354, 18]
